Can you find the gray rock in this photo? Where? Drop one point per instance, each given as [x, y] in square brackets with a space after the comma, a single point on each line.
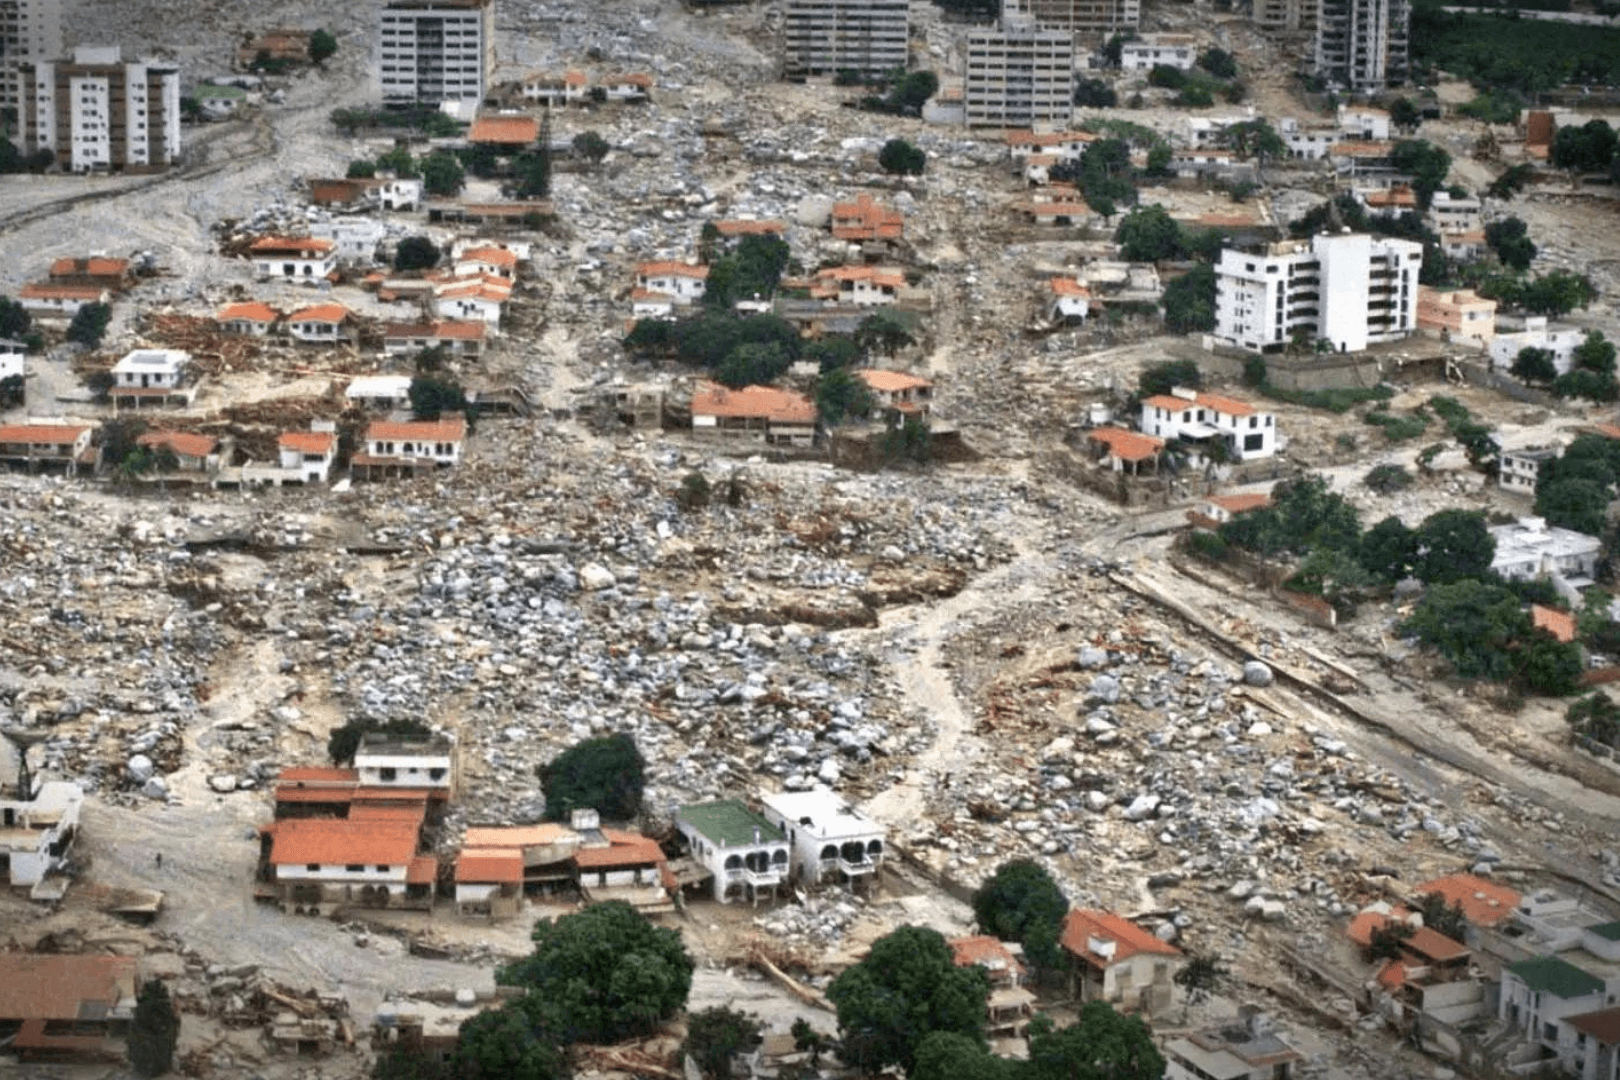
[1104, 690]
[140, 768]
[1142, 807]
[1091, 658]
[224, 784]
[1257, 674]
[155, 788]
[595, 576]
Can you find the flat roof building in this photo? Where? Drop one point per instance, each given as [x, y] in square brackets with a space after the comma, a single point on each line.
[436, 50]
[1019, 74]
[823, 37]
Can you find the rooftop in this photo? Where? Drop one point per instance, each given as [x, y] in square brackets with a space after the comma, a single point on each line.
[728, 823]
[43, 433]
[518, 836]
[892, 381]
[332, 313]
[251, 311]
[767, 402]
[1238, 504]
[489, 866]
[181, 442]
[453, 429]
[822, 813]
[308, 442]
[986, 951]
[1484, 903]
[291, 245]
[1127, 445]
[1175, 402]
[624, 849]
[1560, 978]
[1603, 1025]
[56, 987]
[672, 268]
[1232, 1051]
[1560, 624]
[1082, 927]
[505, 130]
[337, 842]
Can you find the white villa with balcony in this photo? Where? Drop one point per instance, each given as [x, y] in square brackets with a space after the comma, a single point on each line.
[831, 842]
[747, 855]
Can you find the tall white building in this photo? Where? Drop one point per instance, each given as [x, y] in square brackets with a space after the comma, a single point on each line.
[824, 37]
[99, 114]
[29, 30]
[436, 50]
[1093, 17]
[1019, 75]
[1351, 289]
[1363, 44]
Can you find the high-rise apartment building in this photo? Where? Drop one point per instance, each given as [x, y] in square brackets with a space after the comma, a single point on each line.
[29, 30]
[824, 37]
[1363, 44]
[1100, 17]
[99, 114]
[1351, 289]
[1286, 16]
[1019, 75]
[436, 50]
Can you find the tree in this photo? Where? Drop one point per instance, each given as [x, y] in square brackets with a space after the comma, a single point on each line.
[507, 1044]
[751, 270]
[911, 93]
[1534, 365]
[1592, 371]
[442, 174]
[1574, 503]
[1304, 515]
[881, 333]
[1443, 918]
[1558, 293]
[1257, 139]
[1167, 77]
[807, 1040]
[1548, 666]
[1509, 239]
[1020, 902]
[1427, 165]
[416, 253]
[900, 156]
[1511, 182]
[89, 324]
[1386, 940]
[1595, 717]
[1189, 301]
[1094, 93]
[606, 774]
[15, 322]
[361, 169]
[591, 146]
[1389, 550]
[717, 1035]
[907, 987]
[1219, 63]
[753, 363]
[1453, 545]
[1195, 95]
[840, 393]
[1387, 479]
[1114, 50]
[832, 351]
[1586, 149]
[602, 975]
[1199, 977]
[322, 44]
[1159, 379]
[1473, 624]
[948, 1055]
[532, 170]
[153, 1031]
[1102, 1045]
[1404, 114]
[433, 395]
[399, 162]
[1596, 353]
[1149, 234]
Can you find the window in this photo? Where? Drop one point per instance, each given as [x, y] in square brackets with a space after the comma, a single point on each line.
[355, 868]
[382, 869]
[387, 773]
[313, 867]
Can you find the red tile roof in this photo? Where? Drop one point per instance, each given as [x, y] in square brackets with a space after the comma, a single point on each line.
[252, 311]
[494, 256]
[891, 381]
[1603, 1025]
[1238, 504]
[772, 227]
[669, 267]
[866, 219]
[94, 266]
[513, 837]
[635, 78]
[624, 849]
[307, 442]
[1484, 903]
[767, 402]
[410, 815]
[333, 313]
[1081, 925]
[1362, 149]
[41, 291]
[985, 950]
[53, 434]
[877, 275]
[451, 429]
[336, 842]
[489, 866]
[423, 870]
[1048, 138]
[52, 987]
[1225, 405]
[1560, 624]
[317, 773]
[1127, 445]
[181, 442]
[1063, 286]
[449, 330]
[304, 246]
[505, 130]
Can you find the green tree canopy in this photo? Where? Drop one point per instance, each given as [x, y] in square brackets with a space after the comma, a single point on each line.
[154, 1031]
[751, 269]
[1509, 238]
[89, 324]
[591, 146]
[602, 975]
[1426, 163]
[322, 44]
[1103, 1045]
[715, 1036]
[15, 322]
[753, 364]
[1219, 63]
[361, 169]
[1557, 292]
[416, 253]
[1586, 149]
[606, 774]
[907, 988]
[1149, 234]
[1404, 114]
[1163, 377]
[900, 156]
[399, 162]
[1453, 545]
[1304, 515]
[442, 174]
[507, 1044]
[841, 393]
[1534, 365]
[881, 333]
[1189, 301]
[1020, 902]
[949, 1055]
[1473, 624]
[433, 395]
[1389, 550]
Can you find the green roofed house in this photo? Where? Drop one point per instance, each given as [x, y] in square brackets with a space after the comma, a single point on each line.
[1538, 993]
[747, 855]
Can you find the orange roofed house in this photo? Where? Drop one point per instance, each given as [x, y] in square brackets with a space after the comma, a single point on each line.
[65, 446]
[1116, 960]
[868, 222]
[683, 283]
[248, 319]
[859, 286]
[1217, 510]
[1123, 450]
[192, 453]
[315, 865]
[1486, 904]
[66, 1007]
[397, 448]
[96, 270]
[632, 86]
[758, 413]
[307, 259]
[322, 324]
[899, 391]
[1010, 1005]
[1212, 423]
[465, 338]
[507, 133]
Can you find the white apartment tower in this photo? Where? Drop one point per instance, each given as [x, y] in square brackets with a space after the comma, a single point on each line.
[99, 114]
[824, 37]
[436, 50]
[1097, 17]
[29, 30]
[1019, 75]
[1286, 16]
[1363, 44]
[1351, 289]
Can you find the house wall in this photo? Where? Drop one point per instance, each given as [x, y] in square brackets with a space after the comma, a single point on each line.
[1018, 75]
[335, 874]
[1560, 341]
[715, 859]
[685, 288]
[441, 453]
[409, 770]
[293, 267]
[1535, 1013]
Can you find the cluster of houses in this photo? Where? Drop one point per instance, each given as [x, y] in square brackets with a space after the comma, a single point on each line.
[1545, 966]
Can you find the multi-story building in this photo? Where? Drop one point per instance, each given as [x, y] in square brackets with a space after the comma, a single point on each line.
[436, 50]
[1350, 289]
[1094, 17]
[1209, 424]
[29, 30]
[823, 37]
[1363, 44]
[100, 114]
[1286, 16]
[1179, 51]
[1019, 74]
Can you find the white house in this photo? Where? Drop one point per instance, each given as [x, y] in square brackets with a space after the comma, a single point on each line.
[458, 338]
[13, 355]
[634, 86]
[318, 861]
[1071, 301]
[398, 194]
[831, 842]
[419, 764]
[1118, 961]
[1451, 214]
[409, 445]
[1521, 468]
[192, 453]
[555, 91]
[489, 881]
[1540, 992]
[37, 833]
[475, 299]
[308, 453]
[354, 239]
[380, 392]
[1561, 341]
[47, 301]
[646, 304]
[250, 319]
[682, 281]
[151, 369]
[32, 445]
[1243, 1048]
[1363, 123]
[859, 286]
[1208, 419]
[747, 855]
[321, 324]
[1058, 145]
[1593, 1044]
[307, 259]
[898, 390]
[493, 261]
[1179, 51]
[1308, 142]
[1530, 548]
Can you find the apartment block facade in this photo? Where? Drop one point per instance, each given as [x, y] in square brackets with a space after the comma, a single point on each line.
[1363, 44]
[99, 114]
[29, 30]
[436, 50]
[1019, 75]
[1352, 290]
[824, 37]
[1091, 17]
